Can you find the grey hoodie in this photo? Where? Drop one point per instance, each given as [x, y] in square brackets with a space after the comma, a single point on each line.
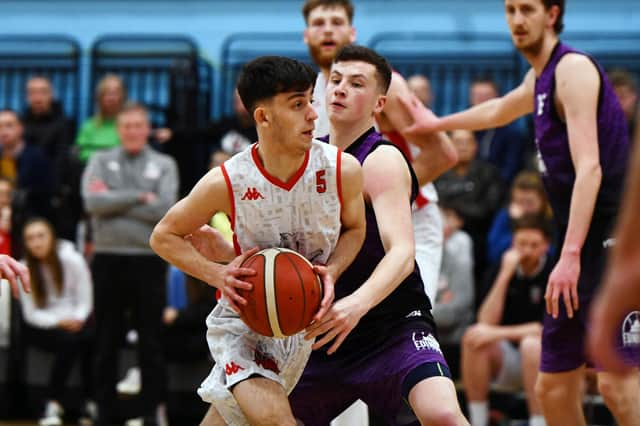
[121, 222]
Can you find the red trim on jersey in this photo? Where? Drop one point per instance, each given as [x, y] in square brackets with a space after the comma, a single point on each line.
[339, 176]
[274, 180]
[398, 140]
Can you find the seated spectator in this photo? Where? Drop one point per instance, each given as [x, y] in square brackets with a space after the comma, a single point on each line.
[504, 346]
[99, 132]
[46, 126]
[57, 313]
[527, 197]
[6, 197]
[626, 88]
[421, 87]
[474, 189]
[454, 303]
[29, 168]
[503, 146]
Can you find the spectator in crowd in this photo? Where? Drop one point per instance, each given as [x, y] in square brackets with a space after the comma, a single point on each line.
[626, 88]
[527, 197]
[454, 303]
[503, 146]
[29, 168]
[421, 87]
[57, 313]
[504, 346]
[6, 198]
[127, 190]
[46, 126]
[474, 189]
[99, 132]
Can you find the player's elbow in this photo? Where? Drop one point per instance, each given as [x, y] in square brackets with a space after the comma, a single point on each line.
[157, 240]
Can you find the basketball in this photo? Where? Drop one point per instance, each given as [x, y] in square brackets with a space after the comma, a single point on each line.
[286, 293]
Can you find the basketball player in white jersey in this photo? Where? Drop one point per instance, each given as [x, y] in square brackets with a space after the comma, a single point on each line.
[329, 28]
[285, 190]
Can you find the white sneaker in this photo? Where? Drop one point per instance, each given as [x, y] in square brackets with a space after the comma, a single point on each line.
[52, 414]
[89, 414]
[131, 383]
[161, 418]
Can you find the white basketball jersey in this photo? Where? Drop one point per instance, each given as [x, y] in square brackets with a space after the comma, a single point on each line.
[302, 214]
[319, 104]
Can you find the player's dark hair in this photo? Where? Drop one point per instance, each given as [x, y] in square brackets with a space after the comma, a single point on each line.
[559, 25]
[532, 221]
[352, 52]
[267, 76]
[309, 5]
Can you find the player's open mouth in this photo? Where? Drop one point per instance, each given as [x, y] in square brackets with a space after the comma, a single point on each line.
[308, 132]
[329, 44]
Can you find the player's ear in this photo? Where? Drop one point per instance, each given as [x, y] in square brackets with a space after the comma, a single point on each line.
[352, 35]
[305, 36]
[261, 116]
[382, 99]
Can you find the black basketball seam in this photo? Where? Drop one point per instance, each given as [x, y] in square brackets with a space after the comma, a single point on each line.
[304, 298]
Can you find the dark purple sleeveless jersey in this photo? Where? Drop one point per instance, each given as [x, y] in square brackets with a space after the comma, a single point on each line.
[552, 141]
[408, 300]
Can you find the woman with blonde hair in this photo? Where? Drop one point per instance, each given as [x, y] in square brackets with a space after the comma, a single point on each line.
[99, 132]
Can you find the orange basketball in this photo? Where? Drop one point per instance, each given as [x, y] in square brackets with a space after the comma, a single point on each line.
[286, 293]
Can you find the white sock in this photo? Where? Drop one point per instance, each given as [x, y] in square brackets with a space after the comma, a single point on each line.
[479, 413]
[537, 420]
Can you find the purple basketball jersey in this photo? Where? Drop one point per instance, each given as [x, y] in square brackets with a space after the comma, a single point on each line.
[563, 338]
[552, 141]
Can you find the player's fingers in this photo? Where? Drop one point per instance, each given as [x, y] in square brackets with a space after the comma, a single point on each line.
[234, 298]
[547, 298]
[247, 254]
[9, 275]
[566, 297]
[555, 296]
[328, 337]
[574, 297]
[242, 272]
[338, 341]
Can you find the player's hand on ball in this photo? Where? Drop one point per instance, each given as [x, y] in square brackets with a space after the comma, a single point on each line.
[328, 285]
[336, 325]
[563, 283]
[232, 279]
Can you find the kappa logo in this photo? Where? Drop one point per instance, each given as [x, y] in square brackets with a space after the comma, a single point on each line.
[232, 368]
[541, 98]
[252, 194]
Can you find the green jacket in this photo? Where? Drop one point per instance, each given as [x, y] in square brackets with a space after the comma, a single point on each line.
[96, 135]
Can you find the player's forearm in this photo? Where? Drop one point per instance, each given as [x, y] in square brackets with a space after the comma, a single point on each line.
[583, 201]
[437, 155]
[490, 311]
[486, 115]
[180, 253]
[347, 247]
[394, 267]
